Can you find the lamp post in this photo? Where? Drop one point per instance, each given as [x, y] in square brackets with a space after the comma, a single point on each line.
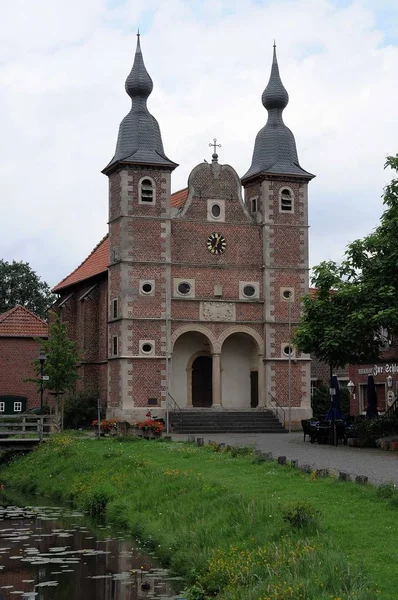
[350, 388]
[289, 382]
[42, 359]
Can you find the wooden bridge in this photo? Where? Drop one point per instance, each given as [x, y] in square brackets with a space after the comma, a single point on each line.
[24, 432]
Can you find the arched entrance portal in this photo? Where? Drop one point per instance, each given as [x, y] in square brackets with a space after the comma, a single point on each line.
[202, 373]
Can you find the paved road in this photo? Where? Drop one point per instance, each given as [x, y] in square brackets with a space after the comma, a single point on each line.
[379, 466]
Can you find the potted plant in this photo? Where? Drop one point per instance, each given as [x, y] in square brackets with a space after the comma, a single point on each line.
[151, 428]
[107, 426]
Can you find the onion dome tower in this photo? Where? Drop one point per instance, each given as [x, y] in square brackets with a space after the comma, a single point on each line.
[139, 140]
[275, 147]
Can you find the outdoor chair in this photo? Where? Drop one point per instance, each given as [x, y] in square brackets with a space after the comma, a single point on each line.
[309, 428]
[340, 431]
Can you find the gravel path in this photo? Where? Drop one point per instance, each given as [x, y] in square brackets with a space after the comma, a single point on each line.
[378, 465]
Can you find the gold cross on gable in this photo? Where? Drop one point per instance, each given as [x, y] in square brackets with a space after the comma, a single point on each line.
[215, 145]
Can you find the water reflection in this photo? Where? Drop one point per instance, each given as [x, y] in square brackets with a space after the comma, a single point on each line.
[49, 553]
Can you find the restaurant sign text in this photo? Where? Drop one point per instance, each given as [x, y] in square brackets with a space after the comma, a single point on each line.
[379, 369]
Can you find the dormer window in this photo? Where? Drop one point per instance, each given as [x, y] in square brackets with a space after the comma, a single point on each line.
[146, 191]
[286, 200]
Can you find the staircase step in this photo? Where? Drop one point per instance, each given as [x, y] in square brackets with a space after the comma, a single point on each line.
[196, 421]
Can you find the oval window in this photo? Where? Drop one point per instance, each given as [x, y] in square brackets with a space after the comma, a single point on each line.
[287, 294]
[147, 288]
[184, 288]
[249, 291]
[215, 211]
[288, 350]
[147, 348]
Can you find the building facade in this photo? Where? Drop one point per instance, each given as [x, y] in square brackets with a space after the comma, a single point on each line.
[203, 285]
[19, 347]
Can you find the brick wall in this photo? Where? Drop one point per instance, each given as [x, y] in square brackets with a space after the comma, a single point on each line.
[16, 356]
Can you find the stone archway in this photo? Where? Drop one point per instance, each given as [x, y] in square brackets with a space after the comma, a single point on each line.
[243, 372]
[189, 380]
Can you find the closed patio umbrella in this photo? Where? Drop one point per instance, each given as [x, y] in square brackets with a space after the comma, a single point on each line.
[334, 411]
[371, 409]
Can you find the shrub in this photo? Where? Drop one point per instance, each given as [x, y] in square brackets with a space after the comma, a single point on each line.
[80, 409]
[302, 516]
[377, 427]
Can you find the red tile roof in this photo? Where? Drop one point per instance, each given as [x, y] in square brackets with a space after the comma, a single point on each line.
[21, 322]
[97, 261]
[178, 199]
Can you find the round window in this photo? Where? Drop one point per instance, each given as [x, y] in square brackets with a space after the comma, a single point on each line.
[147, 348]
[147, 288]
[184, 288]
[249, 291]
[287, 294]
[215, 211]
[288, 350]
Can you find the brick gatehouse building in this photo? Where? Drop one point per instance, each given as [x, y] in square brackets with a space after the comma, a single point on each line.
[191, 296]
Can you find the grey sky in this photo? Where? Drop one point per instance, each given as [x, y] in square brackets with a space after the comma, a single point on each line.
[62, 72]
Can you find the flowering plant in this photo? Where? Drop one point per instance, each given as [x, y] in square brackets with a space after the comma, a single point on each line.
[106, 425]
[151, 424]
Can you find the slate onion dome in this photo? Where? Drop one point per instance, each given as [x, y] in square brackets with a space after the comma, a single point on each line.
[139, 140]
[275, 147]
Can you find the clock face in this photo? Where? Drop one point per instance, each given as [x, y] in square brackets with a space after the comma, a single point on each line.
[216, 243]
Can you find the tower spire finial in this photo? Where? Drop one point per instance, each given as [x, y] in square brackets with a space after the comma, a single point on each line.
[139, 140]
[275, 148]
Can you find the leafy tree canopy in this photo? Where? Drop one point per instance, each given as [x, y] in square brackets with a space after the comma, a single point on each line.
[61, 360]
[355, 303]
[19, 284]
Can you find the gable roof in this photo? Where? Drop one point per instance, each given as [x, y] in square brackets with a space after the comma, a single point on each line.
[178, 199]
[21, 322]
[94, 264]
[97, 261]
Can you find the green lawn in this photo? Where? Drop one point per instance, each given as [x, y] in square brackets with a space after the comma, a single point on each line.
[219, 519]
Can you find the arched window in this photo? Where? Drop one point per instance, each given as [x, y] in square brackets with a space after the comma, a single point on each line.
[147, 191]
[286, 197]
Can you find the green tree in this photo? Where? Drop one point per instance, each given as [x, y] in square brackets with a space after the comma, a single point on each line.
[354, 303]
[19, 284]
[60, 366]
[61, 359]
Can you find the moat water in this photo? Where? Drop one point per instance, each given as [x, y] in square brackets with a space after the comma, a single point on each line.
[49, 552]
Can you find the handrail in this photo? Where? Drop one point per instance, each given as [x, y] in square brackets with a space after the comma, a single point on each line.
[177, 412]
[392, 409]
[278, 410]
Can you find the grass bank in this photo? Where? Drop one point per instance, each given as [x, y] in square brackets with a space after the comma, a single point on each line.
[231, 526]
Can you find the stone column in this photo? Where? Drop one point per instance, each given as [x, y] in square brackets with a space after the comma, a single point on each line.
[216, 358]
[262, 400]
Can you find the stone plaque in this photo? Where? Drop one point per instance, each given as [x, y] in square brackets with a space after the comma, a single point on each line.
[217, 311]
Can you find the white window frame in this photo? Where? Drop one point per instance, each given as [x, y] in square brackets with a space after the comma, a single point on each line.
[289, 189]
[285, 354]
[253, 202]
[115, 304]
[17, 406]
[221, 216]
[142, 344]
[146, 202]
[150, 282]
[242, 295]
[176, 283]
[2, 407]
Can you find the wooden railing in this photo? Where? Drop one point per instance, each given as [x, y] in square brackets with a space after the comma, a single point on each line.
[26, 426]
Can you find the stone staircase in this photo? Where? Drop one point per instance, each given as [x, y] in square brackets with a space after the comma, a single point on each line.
[225, 421]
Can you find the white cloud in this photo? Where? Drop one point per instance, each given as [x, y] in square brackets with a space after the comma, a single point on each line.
[62, 72]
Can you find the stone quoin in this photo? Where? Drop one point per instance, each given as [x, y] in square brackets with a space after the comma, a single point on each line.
[191, 297]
